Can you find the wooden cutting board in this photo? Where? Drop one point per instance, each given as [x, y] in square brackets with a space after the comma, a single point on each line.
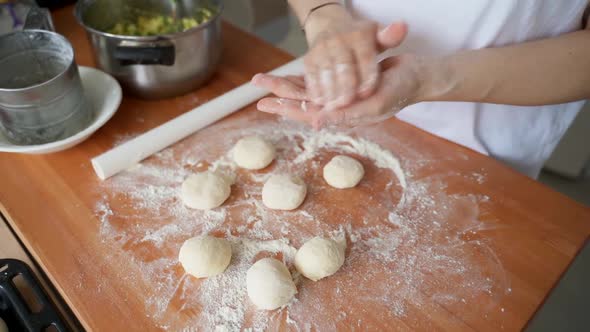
[469, 244]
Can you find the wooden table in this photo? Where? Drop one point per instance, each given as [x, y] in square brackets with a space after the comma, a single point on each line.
[49, 201]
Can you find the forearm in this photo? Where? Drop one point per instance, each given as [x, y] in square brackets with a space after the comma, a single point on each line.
[549, 71]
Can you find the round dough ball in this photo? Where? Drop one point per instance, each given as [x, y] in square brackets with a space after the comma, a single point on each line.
[206, 190]
[205, 256]
[269, 284]
[319, 258]
[283, 192]
[253, 152]
[343, 172]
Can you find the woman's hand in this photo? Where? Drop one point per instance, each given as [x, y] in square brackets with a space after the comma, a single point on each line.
[402, 84]
[341, 64]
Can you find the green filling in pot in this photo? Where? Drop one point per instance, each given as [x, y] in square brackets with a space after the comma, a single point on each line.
[152, 25]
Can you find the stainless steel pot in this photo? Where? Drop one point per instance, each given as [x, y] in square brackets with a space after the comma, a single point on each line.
[152, 66]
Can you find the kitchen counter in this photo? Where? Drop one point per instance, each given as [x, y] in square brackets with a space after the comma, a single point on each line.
[51, 203]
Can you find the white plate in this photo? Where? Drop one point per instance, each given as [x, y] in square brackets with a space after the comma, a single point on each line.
[104, 96]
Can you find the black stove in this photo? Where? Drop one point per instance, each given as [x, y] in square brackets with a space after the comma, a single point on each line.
[41, 314]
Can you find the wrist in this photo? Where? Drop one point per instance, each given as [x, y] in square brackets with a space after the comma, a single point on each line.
[324, 19]
[435, 77]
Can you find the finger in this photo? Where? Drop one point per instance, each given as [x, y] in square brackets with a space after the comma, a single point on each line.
[312, 77]
[361, 112]
[324, 74]
[351, 120]
[344, 75]
[367, 67]
[327, 83]
[293, 109]
[280, 86]
[392, 35]
[279, 105]
[297, 80]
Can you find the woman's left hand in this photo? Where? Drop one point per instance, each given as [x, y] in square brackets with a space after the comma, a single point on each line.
[401, 85]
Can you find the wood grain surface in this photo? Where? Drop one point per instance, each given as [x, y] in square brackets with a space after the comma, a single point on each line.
[50, 201]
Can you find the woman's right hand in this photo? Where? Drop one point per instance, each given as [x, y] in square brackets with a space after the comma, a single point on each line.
[341, 65]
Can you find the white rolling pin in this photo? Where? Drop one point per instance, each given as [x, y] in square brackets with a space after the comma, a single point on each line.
[133, 151]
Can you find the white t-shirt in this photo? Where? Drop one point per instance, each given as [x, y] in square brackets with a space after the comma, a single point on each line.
[522, 137]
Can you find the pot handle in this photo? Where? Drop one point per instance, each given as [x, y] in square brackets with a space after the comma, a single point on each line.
[145, 55]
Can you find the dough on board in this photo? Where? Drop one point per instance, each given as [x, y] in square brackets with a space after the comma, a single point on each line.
[269, 284]
[283, 192]
[205, 256]
[253, 152]
[205, 190]
[343, 172]
[319, 258]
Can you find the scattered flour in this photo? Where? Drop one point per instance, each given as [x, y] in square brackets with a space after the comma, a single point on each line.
[120, 139]
[410, 243]
[322, 140]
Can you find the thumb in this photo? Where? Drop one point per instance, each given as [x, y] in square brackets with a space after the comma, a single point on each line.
[392, 35]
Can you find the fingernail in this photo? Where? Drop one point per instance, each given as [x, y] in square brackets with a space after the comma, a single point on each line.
[385, 29]
[310, 83]
[314, 96]
[331, 105]
[330, 96]
[268, 104]
[327, 84]
[342, 68]
[325, 76]
[343, 100]
[368, 84]
[255, 78]
[338, 102]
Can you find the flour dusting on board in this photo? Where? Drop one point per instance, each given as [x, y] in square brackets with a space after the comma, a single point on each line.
[411, 246]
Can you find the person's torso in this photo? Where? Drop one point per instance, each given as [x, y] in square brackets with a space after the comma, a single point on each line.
[521, 136]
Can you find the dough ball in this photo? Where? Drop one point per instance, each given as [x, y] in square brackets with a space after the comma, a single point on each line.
[269, 284]
[205, 256]
[343, 172]
[206, 190]
[253, 152]
[319, 258]
[283, 192]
